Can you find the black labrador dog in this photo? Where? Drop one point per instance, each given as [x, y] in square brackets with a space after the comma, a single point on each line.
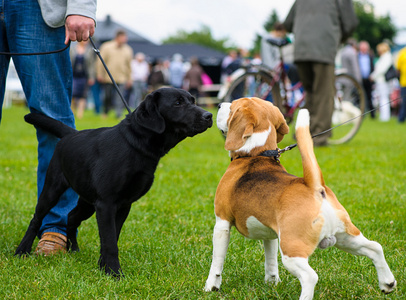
[112, 167]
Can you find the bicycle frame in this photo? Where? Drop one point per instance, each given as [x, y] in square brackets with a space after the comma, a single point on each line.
[279, 76]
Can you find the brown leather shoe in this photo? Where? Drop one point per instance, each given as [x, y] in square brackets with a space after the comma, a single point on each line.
[51, 243]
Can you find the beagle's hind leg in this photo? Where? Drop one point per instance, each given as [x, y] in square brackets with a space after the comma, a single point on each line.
[299, 267]
[359, 245]
[295, 251]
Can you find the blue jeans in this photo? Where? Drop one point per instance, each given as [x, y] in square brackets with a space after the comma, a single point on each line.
[47, 84]
[95, 88]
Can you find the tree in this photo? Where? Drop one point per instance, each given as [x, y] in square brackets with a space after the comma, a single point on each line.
[201, 37]
[273, 18]
[372, 28]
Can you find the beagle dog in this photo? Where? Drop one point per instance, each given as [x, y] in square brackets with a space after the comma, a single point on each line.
[263, 201]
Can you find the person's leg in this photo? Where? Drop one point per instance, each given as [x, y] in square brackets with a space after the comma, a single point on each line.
[81, 107]
[47, 84]
[384, 105]
[306, 75]
[4, 60]
[95, 88]
[117, 101]
[80, 89]
[368, 95]
[402, 112]
[138, 87]
[128, 91]
[108, 89]
[73, 105]
[320, 102]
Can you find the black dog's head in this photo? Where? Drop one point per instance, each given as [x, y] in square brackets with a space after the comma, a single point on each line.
[173, 110]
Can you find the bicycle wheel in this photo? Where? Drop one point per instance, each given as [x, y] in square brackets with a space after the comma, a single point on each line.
[250, 84]
[349, 105]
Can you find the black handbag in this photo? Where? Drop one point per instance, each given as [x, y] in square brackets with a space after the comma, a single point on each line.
[392, 73]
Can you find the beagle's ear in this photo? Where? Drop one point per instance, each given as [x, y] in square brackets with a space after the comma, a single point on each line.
[282, 130]
[148, 115]
[281, 126]
[239, 129]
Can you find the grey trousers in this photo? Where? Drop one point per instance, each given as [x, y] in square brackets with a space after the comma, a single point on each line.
[318, 80]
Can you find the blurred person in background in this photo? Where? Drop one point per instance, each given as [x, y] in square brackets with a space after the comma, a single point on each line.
[117, 55]
[401, 67]
[176, 71]
[139, 73]
[382, 88]
[349, 59]
[271, 57]
[193, 78]
[84, 74]
[156, 78]
[366, 65]
[349, 62]
[319, 27]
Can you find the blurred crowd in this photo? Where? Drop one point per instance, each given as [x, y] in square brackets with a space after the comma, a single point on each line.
[378, 74]
[135, 76]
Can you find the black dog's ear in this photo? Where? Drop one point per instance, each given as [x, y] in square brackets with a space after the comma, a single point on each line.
[148, 115]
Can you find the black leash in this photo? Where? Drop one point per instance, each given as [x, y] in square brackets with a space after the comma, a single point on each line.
[290, 147]
[35, 53]
[97, 51]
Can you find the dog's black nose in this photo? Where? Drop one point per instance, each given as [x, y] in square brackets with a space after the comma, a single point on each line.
[207, 116]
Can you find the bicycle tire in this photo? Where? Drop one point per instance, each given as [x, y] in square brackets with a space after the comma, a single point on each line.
[250, 84]
[349, 105]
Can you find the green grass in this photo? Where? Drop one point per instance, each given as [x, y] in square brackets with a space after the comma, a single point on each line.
[165, 246]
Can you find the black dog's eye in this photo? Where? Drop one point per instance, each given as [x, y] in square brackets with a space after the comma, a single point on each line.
[178, 102]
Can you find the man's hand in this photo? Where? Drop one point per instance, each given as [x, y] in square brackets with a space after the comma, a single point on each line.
[78, 28]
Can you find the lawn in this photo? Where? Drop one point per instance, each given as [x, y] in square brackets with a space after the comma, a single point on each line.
[165, 246]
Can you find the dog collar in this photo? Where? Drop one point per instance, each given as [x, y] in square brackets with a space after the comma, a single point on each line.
[272, 153]
[267, 153]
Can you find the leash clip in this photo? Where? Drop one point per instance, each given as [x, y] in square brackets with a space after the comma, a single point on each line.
[280, 151]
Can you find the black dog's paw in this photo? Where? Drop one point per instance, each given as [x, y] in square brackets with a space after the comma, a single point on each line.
[22, 251]
[115, 274]
[24, 248]
[113, 269]
[72, 246]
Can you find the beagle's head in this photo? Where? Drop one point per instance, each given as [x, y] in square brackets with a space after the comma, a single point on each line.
[251, 126]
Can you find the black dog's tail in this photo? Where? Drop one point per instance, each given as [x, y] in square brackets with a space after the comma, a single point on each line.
[46, 123]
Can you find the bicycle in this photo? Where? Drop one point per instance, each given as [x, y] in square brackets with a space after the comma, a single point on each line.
[260, 81]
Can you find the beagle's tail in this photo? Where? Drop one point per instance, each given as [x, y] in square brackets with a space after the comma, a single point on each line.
[311, 171]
